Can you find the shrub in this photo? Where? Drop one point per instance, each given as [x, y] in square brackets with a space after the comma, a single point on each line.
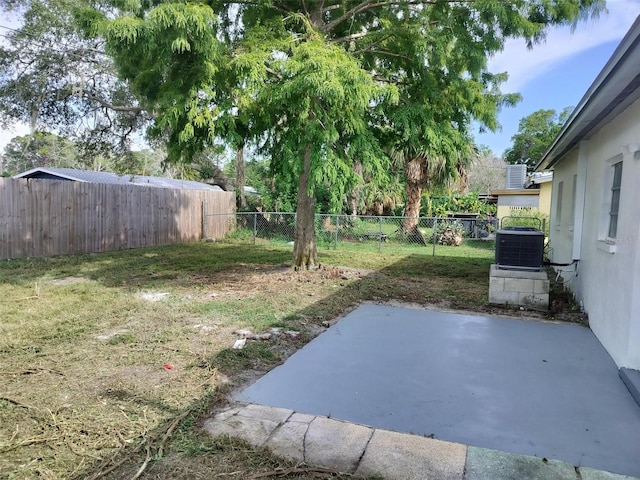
[528, 218]
[440, 206]
[450, 233]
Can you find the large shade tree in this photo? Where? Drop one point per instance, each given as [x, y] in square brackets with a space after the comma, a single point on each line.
[535, 134]
[53, 78]
[325, 84]
[40, 149]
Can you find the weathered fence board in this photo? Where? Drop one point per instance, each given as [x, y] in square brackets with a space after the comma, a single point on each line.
[50, 217]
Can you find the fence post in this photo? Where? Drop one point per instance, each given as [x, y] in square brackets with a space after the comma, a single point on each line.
[335, 241]
[255, 227]
[204, 220]
[435, 235]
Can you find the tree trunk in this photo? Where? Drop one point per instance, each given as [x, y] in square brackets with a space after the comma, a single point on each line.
[415, 178]
[305, 254]
[355, 193]
[241, 199]
[463, 178]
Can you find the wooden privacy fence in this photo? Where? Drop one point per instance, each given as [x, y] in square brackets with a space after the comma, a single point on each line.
[50, 217]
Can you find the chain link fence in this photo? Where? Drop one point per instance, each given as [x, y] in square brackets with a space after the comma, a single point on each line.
[362, 232]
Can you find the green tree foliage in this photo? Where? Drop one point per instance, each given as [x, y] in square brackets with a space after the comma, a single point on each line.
[44, 149]
[40, 149]
[273, 196]
[53, 78]
[323, 85]
[440, 206]
[534, 137]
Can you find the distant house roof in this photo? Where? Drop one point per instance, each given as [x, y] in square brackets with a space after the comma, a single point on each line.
[536, 178]
[615, 88]
[90, 176]
[250, 191]
[516, 191]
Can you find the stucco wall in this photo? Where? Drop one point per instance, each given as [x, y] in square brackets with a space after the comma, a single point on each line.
[516, 202]
[608, 277]
[633, 360]
[544, 199]
[561, 229]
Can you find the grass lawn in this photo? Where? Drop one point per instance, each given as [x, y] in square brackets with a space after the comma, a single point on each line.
[109, 361]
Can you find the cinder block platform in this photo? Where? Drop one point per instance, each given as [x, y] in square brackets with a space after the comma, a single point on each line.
[519, 287]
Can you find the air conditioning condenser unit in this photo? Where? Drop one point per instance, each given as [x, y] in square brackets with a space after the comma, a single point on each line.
[519, 248]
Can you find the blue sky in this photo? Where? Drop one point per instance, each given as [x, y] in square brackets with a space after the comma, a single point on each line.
[557, 73]
[553, 75]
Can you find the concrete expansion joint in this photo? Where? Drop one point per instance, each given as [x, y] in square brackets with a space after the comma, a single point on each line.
[366, 445]
[304, 443]
[276, 430]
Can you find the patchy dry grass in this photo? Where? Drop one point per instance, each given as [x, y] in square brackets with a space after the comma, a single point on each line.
[109, 361]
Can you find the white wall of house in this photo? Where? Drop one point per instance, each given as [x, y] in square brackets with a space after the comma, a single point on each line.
[634, 331]
[561, 227]
[608, 273]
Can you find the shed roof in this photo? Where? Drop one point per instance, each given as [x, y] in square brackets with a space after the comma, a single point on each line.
[614, 89]
[90, 176]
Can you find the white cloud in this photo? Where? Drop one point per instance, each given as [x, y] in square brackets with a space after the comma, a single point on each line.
[525, 65]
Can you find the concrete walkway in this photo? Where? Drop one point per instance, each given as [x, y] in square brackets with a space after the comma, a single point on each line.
[350, 448]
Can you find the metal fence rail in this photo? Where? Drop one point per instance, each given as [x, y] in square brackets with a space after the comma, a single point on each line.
[341, 231]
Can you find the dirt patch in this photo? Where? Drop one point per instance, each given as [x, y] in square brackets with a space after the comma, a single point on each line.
[63, 282]
[155, 296]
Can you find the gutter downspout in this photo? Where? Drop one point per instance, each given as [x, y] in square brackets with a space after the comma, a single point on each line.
[580, 199]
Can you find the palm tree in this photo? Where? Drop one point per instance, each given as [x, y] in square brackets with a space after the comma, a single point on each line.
[427, 173]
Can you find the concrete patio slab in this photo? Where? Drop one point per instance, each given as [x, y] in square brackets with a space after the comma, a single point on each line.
[396, 456]
[587, 473]
[250, 429]
[334, 444]
[288, 440]
[277, 415]
[527, 387]
[341, 446]
[631, 379]
[483, 464]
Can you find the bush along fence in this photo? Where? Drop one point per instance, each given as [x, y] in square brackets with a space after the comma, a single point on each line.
[363, 232]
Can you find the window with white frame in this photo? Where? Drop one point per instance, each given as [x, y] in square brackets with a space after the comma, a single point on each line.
[615, 199]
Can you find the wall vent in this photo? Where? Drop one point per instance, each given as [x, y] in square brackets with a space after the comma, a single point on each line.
[516, 176]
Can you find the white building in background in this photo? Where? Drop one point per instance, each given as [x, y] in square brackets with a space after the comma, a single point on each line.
[523, 194]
